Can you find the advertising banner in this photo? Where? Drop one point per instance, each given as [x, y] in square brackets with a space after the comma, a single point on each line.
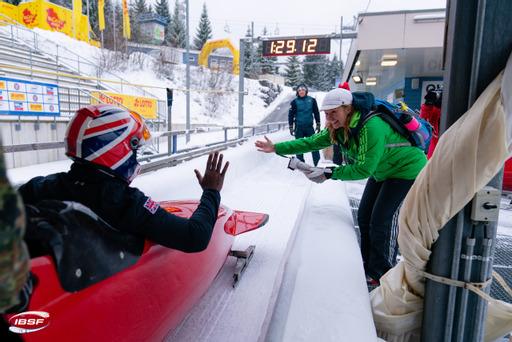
[21, 97]
[49, 16]
[145, 106]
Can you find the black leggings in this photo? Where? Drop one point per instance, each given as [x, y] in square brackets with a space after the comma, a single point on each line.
[303, 132]
[375, 216]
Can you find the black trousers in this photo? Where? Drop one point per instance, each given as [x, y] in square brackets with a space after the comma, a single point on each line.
[303, 132]
[375, 217]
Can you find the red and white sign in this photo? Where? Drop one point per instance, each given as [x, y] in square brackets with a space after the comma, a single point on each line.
[29, 321]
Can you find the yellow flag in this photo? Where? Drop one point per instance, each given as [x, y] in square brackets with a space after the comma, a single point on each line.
[126, 21]
[101, 14]
[77, 15]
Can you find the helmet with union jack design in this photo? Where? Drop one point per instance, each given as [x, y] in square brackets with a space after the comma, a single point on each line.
[107, 136]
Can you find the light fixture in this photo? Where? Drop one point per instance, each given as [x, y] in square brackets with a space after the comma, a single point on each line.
[357, 79]
[358, 63]
[389, 60]
[371, 81]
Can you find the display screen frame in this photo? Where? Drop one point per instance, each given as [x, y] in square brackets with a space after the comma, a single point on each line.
[296, 46]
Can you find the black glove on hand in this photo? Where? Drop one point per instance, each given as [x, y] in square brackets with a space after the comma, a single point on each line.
[317, 128]
[292, 130]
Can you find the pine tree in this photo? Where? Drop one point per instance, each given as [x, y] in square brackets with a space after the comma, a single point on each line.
[334, 71]
[249, 67]
[93, 18]
[140, 7]
[204, 30]
[162, 9]
[136, 9]
[177, 29]
[293, 72]
[108, 33]
[13, 2]
[314, 73]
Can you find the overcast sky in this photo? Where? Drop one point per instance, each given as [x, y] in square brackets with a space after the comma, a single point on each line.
[230, 18]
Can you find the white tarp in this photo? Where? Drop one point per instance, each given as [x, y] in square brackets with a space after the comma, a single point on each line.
[467, 156]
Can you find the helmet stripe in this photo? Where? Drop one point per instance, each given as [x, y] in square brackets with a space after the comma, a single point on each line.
[80, 136]
[113, 143]
[110, 118]
[122, 160]
[106, 129]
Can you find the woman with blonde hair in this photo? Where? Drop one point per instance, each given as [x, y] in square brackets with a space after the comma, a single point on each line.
[371, 149]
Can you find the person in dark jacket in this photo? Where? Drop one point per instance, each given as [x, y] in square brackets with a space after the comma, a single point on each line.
[300, 118]
[103, 140]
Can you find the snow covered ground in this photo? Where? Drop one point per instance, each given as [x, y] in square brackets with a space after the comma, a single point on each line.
[305, 218]
[140, 69]
[305, 281]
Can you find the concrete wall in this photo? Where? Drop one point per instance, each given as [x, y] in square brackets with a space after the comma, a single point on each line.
[400, 30]
[32, 131]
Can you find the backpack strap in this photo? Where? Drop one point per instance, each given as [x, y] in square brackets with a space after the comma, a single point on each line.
[389, 119]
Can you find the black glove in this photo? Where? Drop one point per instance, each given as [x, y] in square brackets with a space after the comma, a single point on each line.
[317, 128]
[292, 130]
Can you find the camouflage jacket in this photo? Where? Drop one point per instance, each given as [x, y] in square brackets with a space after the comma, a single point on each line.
[14, 259]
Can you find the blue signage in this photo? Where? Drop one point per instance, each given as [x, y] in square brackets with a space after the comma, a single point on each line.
[22, 97]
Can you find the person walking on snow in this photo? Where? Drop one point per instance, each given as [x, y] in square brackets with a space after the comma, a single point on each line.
[300, 118]
[375, 155]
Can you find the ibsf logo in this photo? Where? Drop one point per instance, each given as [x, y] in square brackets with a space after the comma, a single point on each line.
[29, 321]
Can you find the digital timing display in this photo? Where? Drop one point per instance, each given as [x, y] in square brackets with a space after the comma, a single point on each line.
[296, 46]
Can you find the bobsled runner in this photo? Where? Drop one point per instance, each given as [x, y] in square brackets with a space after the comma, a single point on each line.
[142, 292]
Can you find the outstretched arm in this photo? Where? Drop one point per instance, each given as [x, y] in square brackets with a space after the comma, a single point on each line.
[192, 234]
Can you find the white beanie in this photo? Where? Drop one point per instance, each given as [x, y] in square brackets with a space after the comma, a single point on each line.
[335, 98]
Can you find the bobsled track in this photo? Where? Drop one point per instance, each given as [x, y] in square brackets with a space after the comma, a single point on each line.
[305, 281]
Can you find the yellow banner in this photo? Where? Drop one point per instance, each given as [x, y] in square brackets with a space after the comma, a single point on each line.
[3, 85]
[126, 21]
[101, 14]
[77, 13]
[48, 16]
[145, 106]
[17, 97]
[35, 107]
[10, 11]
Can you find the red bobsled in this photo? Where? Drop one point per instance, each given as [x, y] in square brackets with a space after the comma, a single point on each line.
[142, 302]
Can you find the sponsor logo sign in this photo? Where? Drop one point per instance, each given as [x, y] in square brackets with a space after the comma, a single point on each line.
[21, 97]
[145, 106]
[28, 17]
[53, 20]
[29, 321]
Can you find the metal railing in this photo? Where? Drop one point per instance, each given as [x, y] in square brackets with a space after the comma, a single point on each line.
[174, 155]
[61, 56]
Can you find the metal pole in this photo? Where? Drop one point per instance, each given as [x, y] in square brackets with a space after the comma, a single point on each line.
[187, 61]
[114, 23]
[341, 41]
[241, 89]
[88, 21]
[471, 63]
[169, 120]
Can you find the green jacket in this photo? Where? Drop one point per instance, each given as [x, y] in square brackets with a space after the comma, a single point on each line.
[372, 158]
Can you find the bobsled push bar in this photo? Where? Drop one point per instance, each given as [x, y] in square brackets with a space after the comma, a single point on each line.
[243, 258]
